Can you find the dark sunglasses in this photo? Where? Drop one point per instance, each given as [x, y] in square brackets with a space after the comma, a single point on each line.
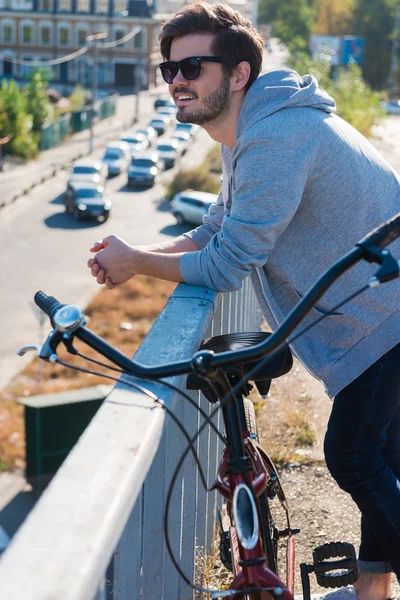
[189, 67]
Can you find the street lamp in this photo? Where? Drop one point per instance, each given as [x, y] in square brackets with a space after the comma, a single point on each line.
[92, 41]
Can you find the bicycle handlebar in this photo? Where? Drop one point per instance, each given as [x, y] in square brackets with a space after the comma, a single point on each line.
[206, 360]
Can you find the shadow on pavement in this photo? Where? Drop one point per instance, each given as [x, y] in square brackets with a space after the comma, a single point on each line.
[58, 199]
[134, 189]
[62, 220]
[162, 204]
[175, 230]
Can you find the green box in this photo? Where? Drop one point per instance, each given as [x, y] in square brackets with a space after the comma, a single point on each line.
[53, 425]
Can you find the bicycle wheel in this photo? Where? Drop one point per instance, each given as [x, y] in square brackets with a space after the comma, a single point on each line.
[267, 525]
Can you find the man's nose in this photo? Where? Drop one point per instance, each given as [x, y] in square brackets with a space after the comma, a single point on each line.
[179, 79]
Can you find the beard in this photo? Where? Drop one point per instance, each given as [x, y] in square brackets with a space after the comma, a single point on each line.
[214, 106]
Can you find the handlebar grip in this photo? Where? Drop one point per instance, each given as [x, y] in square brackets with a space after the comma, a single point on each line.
[47, 303]
[384, 234]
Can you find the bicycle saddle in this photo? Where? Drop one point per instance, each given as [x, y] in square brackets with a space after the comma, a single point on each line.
[279, 365]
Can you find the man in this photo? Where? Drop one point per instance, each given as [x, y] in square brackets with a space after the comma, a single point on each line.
[300, 188]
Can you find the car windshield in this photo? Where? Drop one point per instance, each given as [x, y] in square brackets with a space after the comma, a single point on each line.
[184, 126]
[84, 170]
[132, 140]
[166, 148]
[143, 162]
[89, 193]
[113, 154]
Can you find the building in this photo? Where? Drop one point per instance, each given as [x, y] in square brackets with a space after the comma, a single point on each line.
[42, 30]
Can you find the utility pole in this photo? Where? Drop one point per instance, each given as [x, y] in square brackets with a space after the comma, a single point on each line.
[92, 40]
[395, 47]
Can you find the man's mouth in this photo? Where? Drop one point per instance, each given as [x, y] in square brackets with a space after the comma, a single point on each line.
[183, 99]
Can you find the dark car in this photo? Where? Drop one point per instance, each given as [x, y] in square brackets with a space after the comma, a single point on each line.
[162, 102]
[86, 200]
[145, 170]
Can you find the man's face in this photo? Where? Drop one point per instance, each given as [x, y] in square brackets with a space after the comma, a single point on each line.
[209, 93]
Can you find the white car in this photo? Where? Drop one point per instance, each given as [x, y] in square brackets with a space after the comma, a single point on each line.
[190, 206]
[137, 142]
[91, 171]
[189, 127]
[150, 133]
[169, 150]
[117, 157]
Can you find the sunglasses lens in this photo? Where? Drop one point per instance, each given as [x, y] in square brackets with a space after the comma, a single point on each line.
[190, 68]
[169, 71]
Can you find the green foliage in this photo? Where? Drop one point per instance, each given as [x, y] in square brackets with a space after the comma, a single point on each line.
[17, 122]
[355, 101]
[214, 160]
[292, 20]
[78, 98]
[374, 20]
[334, 18]
[38, 104]
[195, 179]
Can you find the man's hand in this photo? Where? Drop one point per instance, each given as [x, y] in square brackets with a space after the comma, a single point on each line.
[114, 261]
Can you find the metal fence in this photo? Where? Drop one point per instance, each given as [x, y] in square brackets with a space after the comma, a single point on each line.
[97, 531]
[55, 133]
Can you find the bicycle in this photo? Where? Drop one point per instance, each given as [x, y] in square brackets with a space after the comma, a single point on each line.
[247, 478]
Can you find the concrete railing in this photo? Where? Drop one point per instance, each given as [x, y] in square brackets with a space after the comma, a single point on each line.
[97, 530]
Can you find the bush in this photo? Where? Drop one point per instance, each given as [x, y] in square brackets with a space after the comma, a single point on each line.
[214, 160]
[199, 179]
[355, 101]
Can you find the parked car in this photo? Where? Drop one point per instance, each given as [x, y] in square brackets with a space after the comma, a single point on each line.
[169, 111]
[189, 127]
[89, 170]
[150, 133]
[160, 123]
[392, 107]
[183, 138]
[137, 142]
[164, 101]
[117, 157]
[190, 206]
[169, 150]
[84, 199]
[145, 169]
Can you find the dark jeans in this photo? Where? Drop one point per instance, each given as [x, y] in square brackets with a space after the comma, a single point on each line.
[362, 452]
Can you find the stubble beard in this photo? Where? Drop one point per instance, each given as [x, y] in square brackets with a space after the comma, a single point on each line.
[214, 106]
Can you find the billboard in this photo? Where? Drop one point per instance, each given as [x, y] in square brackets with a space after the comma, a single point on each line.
[326, 48]
[352, 50]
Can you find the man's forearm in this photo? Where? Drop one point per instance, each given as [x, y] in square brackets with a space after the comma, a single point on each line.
[158, 264]
[176, 245]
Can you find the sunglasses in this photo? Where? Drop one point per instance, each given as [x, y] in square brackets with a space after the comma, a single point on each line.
[189, 67]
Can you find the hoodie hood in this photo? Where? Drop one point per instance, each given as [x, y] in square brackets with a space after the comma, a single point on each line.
[282, 88]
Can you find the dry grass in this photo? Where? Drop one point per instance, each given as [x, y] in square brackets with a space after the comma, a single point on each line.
[122, 316]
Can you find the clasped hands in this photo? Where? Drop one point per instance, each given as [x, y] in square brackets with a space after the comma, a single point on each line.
[114, 261]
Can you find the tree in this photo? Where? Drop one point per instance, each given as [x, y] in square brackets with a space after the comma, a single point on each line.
[334, 18]
[292, 20]
[374, 21]
[18, 122]
[38, 104]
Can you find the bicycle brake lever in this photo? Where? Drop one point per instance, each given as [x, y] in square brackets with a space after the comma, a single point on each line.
[30, 347]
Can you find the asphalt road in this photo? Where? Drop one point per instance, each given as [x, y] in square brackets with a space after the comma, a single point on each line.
[44, 248]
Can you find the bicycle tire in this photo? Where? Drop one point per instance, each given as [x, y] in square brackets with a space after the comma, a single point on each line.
[267, 524]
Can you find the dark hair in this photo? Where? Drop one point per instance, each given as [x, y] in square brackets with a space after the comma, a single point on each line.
[236, 39]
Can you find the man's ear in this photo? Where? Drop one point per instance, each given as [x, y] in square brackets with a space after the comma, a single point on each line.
[240, 76]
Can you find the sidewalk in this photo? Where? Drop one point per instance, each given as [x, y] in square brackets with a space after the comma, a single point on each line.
[18, 180]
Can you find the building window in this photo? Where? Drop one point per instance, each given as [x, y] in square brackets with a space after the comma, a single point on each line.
[119, 6]
[45, 35]
[82, 35]
[27, 34]
[102, 6]
[119, 34]
[8, 4]
[64, 5]
[64, 36]
[46, 5]
[7, 33]
[83, 5]
[138, 40]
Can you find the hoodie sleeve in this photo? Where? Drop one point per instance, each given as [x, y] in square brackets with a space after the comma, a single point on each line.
[269, 178]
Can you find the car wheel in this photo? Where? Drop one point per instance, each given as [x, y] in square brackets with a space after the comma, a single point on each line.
[179, 218]
[76, 214]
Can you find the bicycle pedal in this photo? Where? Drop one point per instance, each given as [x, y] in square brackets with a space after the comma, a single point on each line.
[345, 568]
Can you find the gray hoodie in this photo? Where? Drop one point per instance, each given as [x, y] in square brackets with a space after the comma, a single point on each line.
[300, 188]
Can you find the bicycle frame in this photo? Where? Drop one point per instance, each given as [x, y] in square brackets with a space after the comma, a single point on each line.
[243, 467]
